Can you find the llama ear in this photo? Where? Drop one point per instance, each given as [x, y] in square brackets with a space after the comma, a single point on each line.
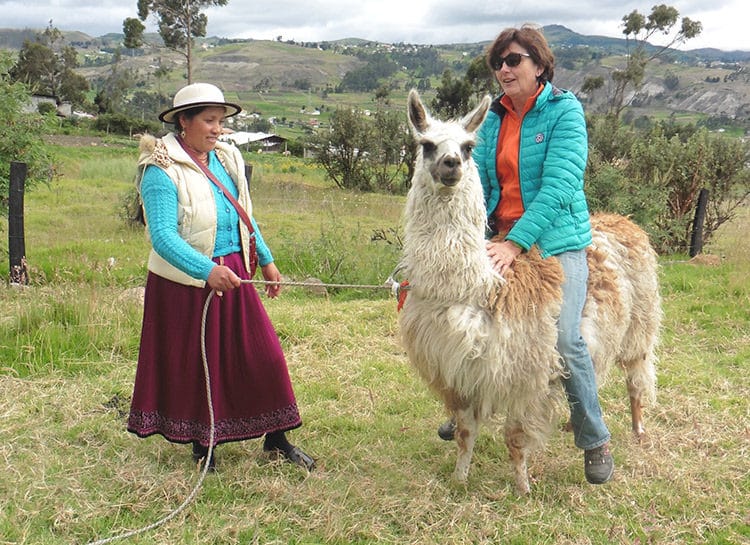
[473, 119]
[419, 119]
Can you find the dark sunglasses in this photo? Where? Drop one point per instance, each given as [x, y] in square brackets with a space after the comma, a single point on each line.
[511, 59]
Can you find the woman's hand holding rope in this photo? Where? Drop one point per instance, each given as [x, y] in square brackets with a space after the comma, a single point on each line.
[272, 274]
[222, 278]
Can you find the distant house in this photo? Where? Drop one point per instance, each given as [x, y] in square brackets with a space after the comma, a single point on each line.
[256, 140]
[64, 109]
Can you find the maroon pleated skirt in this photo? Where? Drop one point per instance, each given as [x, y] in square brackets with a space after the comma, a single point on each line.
[250, 386]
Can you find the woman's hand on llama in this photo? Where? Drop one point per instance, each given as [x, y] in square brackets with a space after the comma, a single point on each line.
[502, 255]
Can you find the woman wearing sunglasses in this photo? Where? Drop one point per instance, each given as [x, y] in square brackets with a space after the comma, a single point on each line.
[531, 154]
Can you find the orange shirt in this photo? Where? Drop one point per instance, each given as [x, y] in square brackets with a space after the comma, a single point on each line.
[510, 208]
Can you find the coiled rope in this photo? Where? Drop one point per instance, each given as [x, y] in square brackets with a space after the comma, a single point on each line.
[390, 284]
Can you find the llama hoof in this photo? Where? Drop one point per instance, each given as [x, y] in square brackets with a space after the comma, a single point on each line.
[643, 439]
[639, 432]
[523, 487]
[523, 490]
[460, 477]
[522, 483]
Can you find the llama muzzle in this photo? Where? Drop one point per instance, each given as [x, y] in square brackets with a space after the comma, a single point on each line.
[448, 171]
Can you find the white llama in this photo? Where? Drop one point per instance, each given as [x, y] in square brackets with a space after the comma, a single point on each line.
[486, 345]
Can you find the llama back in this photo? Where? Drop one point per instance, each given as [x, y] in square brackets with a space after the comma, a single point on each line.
[622, 316]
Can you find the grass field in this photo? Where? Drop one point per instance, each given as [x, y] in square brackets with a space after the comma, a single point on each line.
[68, 343]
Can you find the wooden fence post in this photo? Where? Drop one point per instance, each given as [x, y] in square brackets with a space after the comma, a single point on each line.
[248, 173]
[19, 273]
[696, 237]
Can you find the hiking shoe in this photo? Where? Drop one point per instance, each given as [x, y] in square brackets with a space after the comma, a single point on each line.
[598, 464]
[447, 430]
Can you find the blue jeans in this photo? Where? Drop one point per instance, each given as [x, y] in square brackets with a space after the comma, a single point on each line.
[589, 429]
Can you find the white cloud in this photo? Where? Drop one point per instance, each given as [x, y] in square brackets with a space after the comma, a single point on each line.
[413, 21]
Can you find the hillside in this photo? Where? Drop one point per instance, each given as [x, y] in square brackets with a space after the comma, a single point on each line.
[710, 82]
[563, 37]
[271, 64]
[240, 67]
[712, 89]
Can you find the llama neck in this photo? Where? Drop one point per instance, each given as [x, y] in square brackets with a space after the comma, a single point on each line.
[444, 245]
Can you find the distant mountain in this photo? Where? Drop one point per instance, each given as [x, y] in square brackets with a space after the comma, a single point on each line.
[710, 53]
[704, 81]
[560, 36]
[557, 35]
[11, 38]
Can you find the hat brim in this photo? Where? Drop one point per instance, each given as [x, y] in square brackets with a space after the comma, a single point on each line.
[168, 115]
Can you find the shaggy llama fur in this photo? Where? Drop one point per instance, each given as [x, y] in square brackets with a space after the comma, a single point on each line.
[485, 344]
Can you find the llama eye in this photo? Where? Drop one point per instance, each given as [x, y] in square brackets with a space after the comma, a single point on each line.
[428, 148]
[467, 149]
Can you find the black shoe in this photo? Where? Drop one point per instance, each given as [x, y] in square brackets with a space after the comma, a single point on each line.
[447, 430]
[201, 453]
[598, 464]
[292, 454]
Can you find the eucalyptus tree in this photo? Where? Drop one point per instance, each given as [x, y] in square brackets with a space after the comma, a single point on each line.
[48, 66]
[638, 30]
[179, 22]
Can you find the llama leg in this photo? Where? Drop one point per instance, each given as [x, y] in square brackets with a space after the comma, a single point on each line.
[641, 381]
[636, 413]
[636, 406]
[516, 442]
[467, 428]
[528, 424]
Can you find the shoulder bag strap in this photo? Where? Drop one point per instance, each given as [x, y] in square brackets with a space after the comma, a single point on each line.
[241, 211]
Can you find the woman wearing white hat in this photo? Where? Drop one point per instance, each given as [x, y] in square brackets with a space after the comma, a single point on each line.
[199, 217]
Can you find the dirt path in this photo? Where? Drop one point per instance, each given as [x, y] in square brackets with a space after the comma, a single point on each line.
[75, 140]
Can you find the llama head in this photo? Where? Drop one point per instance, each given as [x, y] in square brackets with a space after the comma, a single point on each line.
[444, 147]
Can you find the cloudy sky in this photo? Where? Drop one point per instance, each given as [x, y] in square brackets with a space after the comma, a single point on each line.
[411, 21]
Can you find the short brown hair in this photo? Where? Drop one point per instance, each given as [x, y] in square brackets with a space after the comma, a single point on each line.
[532, 40]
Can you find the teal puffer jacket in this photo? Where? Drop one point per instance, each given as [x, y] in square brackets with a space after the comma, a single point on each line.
[552, 158]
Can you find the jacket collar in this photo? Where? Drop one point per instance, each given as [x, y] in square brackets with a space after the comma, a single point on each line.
[550, 92]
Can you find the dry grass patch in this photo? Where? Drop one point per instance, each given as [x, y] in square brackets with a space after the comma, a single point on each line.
[73, 474]
[70, 473]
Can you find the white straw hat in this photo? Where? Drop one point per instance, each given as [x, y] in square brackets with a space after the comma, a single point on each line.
[195, 95]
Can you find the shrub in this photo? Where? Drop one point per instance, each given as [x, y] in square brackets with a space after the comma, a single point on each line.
[655, 176]
[122, 124]
[46, 108]
[20, 135]
[365, 153]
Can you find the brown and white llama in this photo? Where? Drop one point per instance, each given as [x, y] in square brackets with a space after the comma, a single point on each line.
[486, 345]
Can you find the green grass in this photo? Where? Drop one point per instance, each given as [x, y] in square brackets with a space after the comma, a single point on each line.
[68, 344]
